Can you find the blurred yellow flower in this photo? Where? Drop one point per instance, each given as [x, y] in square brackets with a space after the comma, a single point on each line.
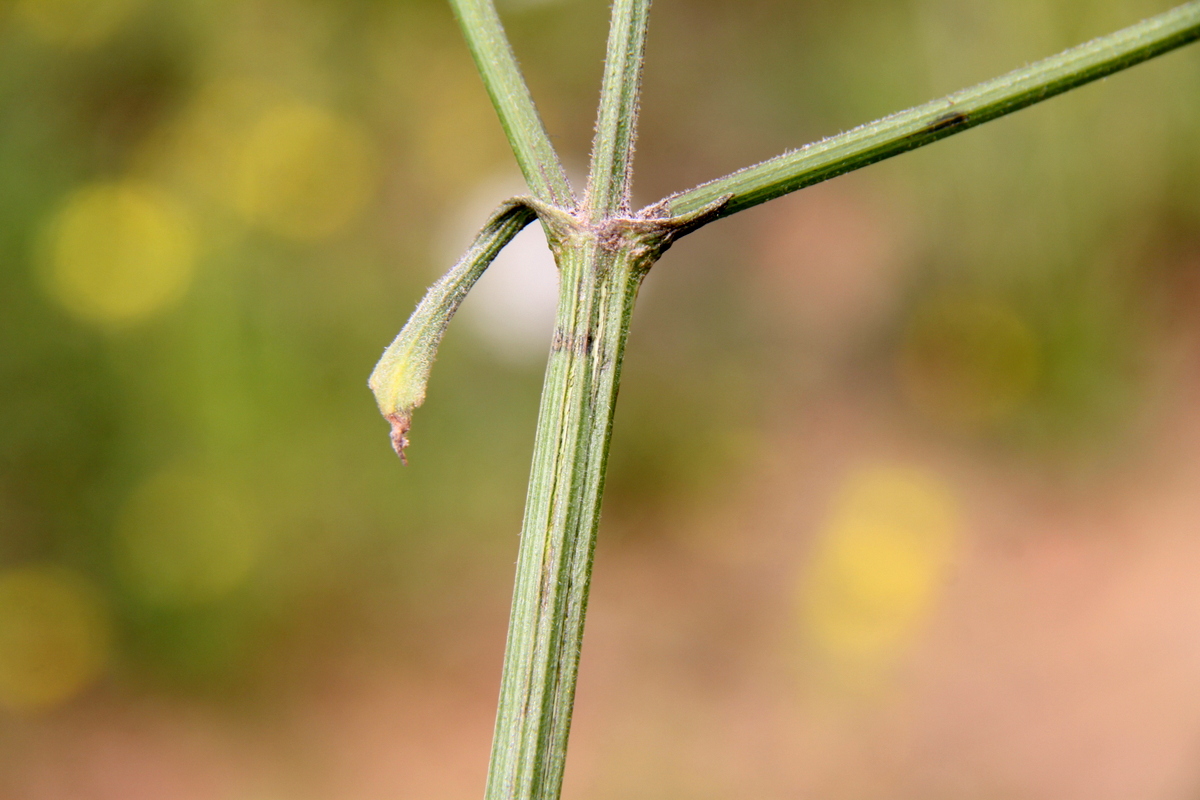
[203, 145]
[55, 636]
[119, 252]
[75, 23]
[878, 564]
[304, 173]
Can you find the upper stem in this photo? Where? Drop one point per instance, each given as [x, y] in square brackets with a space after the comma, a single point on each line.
[610, 177]
[501, 75]
[917, 127]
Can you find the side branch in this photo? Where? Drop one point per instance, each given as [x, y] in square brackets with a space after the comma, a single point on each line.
[925, 124]
[501, 75]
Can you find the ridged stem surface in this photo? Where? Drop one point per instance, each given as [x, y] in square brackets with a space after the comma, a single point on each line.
[599, 283]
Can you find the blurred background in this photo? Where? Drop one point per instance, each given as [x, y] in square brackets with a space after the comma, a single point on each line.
[904, 498]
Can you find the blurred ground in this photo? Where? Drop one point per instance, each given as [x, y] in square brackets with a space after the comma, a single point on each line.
[903, 495]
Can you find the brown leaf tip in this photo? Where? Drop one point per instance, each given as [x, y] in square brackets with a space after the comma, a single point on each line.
[400, 425]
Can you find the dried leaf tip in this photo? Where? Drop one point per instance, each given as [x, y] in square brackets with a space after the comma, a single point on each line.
[399, 379]
[400, 425]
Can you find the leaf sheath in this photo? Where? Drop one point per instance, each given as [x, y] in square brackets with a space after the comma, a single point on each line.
[399, 378]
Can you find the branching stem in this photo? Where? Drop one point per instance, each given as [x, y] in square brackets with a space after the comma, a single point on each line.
[603, 251]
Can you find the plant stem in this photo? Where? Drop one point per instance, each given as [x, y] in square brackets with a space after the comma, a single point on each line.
[925, 124]
[616, 123]
[598, 284]
[601, 265]
[497, 65]
[603, 251]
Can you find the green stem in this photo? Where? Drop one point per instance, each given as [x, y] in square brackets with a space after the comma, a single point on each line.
[599, 282]
[616, 124]
[601, 264]
[501, 75]
[925, 124]
[601, 267]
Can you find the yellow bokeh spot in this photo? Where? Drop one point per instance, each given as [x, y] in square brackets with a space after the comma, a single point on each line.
[291, 168]
[186, 539]
[968, 362]
[204, 145]
[119, 252]
[878, 564]
[55, 636]
[304, 173]
[75, 23]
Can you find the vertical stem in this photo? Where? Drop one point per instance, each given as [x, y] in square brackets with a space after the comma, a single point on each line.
[599, 284]
[600, 270]
[616, 123]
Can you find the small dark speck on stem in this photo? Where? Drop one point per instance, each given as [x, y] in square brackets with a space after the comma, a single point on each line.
[949, 121]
